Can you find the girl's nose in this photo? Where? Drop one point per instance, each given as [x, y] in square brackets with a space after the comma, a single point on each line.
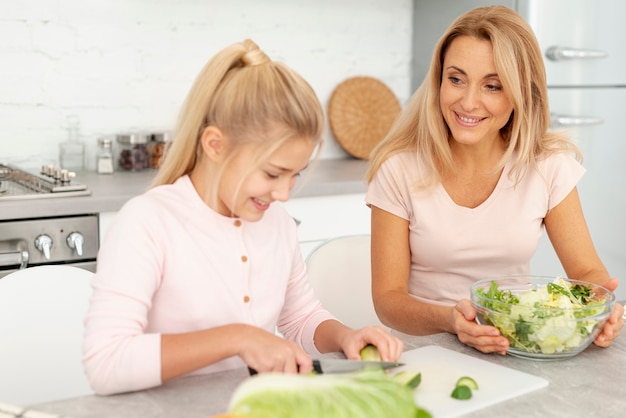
[282, 190]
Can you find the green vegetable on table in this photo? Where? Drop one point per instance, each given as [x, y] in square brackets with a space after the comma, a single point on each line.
[463, 388]
[371, 393]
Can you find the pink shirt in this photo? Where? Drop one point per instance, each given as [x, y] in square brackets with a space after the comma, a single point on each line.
[170, 264]
[452, 246]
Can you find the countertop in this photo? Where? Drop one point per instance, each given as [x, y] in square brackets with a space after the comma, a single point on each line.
[592, 383]
[110, 191]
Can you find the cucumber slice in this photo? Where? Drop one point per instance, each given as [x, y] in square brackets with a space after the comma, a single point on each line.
[461, 392]
[467, 381]
[407, 378]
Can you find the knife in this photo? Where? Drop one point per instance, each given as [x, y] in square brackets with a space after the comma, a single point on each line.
[334, 365]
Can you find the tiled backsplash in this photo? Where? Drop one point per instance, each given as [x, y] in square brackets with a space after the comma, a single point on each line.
[121, 65]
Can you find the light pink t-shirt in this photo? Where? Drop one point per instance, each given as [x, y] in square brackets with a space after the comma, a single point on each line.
[170, 264]
[452, 246]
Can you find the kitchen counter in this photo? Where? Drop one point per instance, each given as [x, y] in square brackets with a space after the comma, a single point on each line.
[591, 384]
[110, 191]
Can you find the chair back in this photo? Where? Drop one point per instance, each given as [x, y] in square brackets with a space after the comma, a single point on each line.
[42, 310]
[340, 272]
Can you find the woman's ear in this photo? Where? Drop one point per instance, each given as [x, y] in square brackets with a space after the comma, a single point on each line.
[213, 143]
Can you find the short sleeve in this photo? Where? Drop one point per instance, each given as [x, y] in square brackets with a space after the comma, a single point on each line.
[389, 188]
[563, 173]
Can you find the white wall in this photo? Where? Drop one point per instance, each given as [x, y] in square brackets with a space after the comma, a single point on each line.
[128, 64]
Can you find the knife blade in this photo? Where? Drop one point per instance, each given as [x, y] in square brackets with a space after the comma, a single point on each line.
[332, 365]
[335, 365]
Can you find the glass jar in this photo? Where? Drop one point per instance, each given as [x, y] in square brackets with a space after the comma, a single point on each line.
[134, 151]
[104, 159]
[159, 143]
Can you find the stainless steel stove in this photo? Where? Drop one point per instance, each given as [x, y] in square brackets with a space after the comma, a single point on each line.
[51, 181]
[72, 239]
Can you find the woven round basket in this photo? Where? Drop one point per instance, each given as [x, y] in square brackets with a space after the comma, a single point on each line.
[360, 111]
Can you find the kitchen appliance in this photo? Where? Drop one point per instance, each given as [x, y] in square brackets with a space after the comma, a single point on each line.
[72, 240]
[441, 368]
[51, 181]
[582, 43]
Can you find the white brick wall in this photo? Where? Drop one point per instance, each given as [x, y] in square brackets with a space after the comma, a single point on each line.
[127, 64]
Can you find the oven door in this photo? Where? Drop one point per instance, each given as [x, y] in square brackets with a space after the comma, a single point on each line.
[70, 240]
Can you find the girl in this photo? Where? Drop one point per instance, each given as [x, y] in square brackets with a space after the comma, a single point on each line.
[195, 275]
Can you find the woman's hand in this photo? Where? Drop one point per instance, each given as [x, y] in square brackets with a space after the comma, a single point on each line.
[266, 352]
[615, 323]
[389, 346]
[481, 337]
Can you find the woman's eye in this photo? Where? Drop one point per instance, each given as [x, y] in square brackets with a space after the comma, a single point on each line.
[454, 80]
[493, 87]
[271, 175]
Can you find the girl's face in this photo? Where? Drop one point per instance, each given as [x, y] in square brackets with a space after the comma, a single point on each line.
[472, 101]
[273, 180]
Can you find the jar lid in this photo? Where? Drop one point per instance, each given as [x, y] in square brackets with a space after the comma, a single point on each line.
[105, 142]
[161, 137]
[134, 138]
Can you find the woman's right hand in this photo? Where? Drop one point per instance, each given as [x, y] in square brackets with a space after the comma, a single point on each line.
[484, 338]
[266, 352]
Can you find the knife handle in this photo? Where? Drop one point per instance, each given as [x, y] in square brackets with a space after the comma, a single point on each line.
[316, 368]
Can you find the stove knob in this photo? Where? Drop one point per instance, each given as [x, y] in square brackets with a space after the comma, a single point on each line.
[75, 241]
[44, 243]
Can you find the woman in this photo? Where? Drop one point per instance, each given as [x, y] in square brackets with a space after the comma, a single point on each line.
[467, 178]
[195, 275]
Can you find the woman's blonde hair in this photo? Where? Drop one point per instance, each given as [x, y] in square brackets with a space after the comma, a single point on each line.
[247, 96]
[519, 64]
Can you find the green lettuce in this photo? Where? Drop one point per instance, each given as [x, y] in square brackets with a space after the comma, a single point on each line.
[365, 394]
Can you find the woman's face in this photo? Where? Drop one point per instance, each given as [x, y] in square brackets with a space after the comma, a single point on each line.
[273, 180]
[472, 101]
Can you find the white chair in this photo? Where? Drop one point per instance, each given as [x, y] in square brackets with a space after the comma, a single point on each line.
[42, 310]
[340, 272]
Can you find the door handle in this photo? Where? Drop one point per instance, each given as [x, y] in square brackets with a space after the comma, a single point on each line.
[559, 53]
[14, 252]
[557, 120]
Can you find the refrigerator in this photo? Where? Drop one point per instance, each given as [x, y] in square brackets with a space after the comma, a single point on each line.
[585, 59]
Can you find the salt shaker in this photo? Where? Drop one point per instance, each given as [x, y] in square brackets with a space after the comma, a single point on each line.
[104, 162]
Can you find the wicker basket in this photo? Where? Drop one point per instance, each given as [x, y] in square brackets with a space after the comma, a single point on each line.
[361, 111]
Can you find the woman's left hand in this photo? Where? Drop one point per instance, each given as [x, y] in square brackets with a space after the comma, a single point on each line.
[389, 347]
[615, 323]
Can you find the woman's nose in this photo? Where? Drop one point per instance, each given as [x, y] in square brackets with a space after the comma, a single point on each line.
[470, 99]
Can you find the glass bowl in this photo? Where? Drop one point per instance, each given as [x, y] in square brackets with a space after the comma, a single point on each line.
[543, 317]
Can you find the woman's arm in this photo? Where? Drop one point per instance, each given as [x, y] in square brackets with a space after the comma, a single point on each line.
[570, 237]
[391, 263]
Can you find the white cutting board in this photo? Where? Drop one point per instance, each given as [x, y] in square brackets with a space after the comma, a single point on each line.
[440, 370]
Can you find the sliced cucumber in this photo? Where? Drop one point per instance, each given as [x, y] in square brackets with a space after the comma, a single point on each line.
[467, 381]
[407, 378]
[461, 392]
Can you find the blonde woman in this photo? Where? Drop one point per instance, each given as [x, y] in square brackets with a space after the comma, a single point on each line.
[195, 275]
[467, 178]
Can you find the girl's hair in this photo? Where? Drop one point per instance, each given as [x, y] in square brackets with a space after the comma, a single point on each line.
[519, 64]
[250, 98]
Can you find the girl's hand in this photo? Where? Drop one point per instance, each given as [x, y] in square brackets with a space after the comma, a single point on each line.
[481, 337]
[389, 347]
[266, 352]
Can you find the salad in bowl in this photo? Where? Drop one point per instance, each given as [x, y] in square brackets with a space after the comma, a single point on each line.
[543, 317]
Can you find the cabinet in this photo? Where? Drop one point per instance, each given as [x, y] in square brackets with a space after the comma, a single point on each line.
[324, 217]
